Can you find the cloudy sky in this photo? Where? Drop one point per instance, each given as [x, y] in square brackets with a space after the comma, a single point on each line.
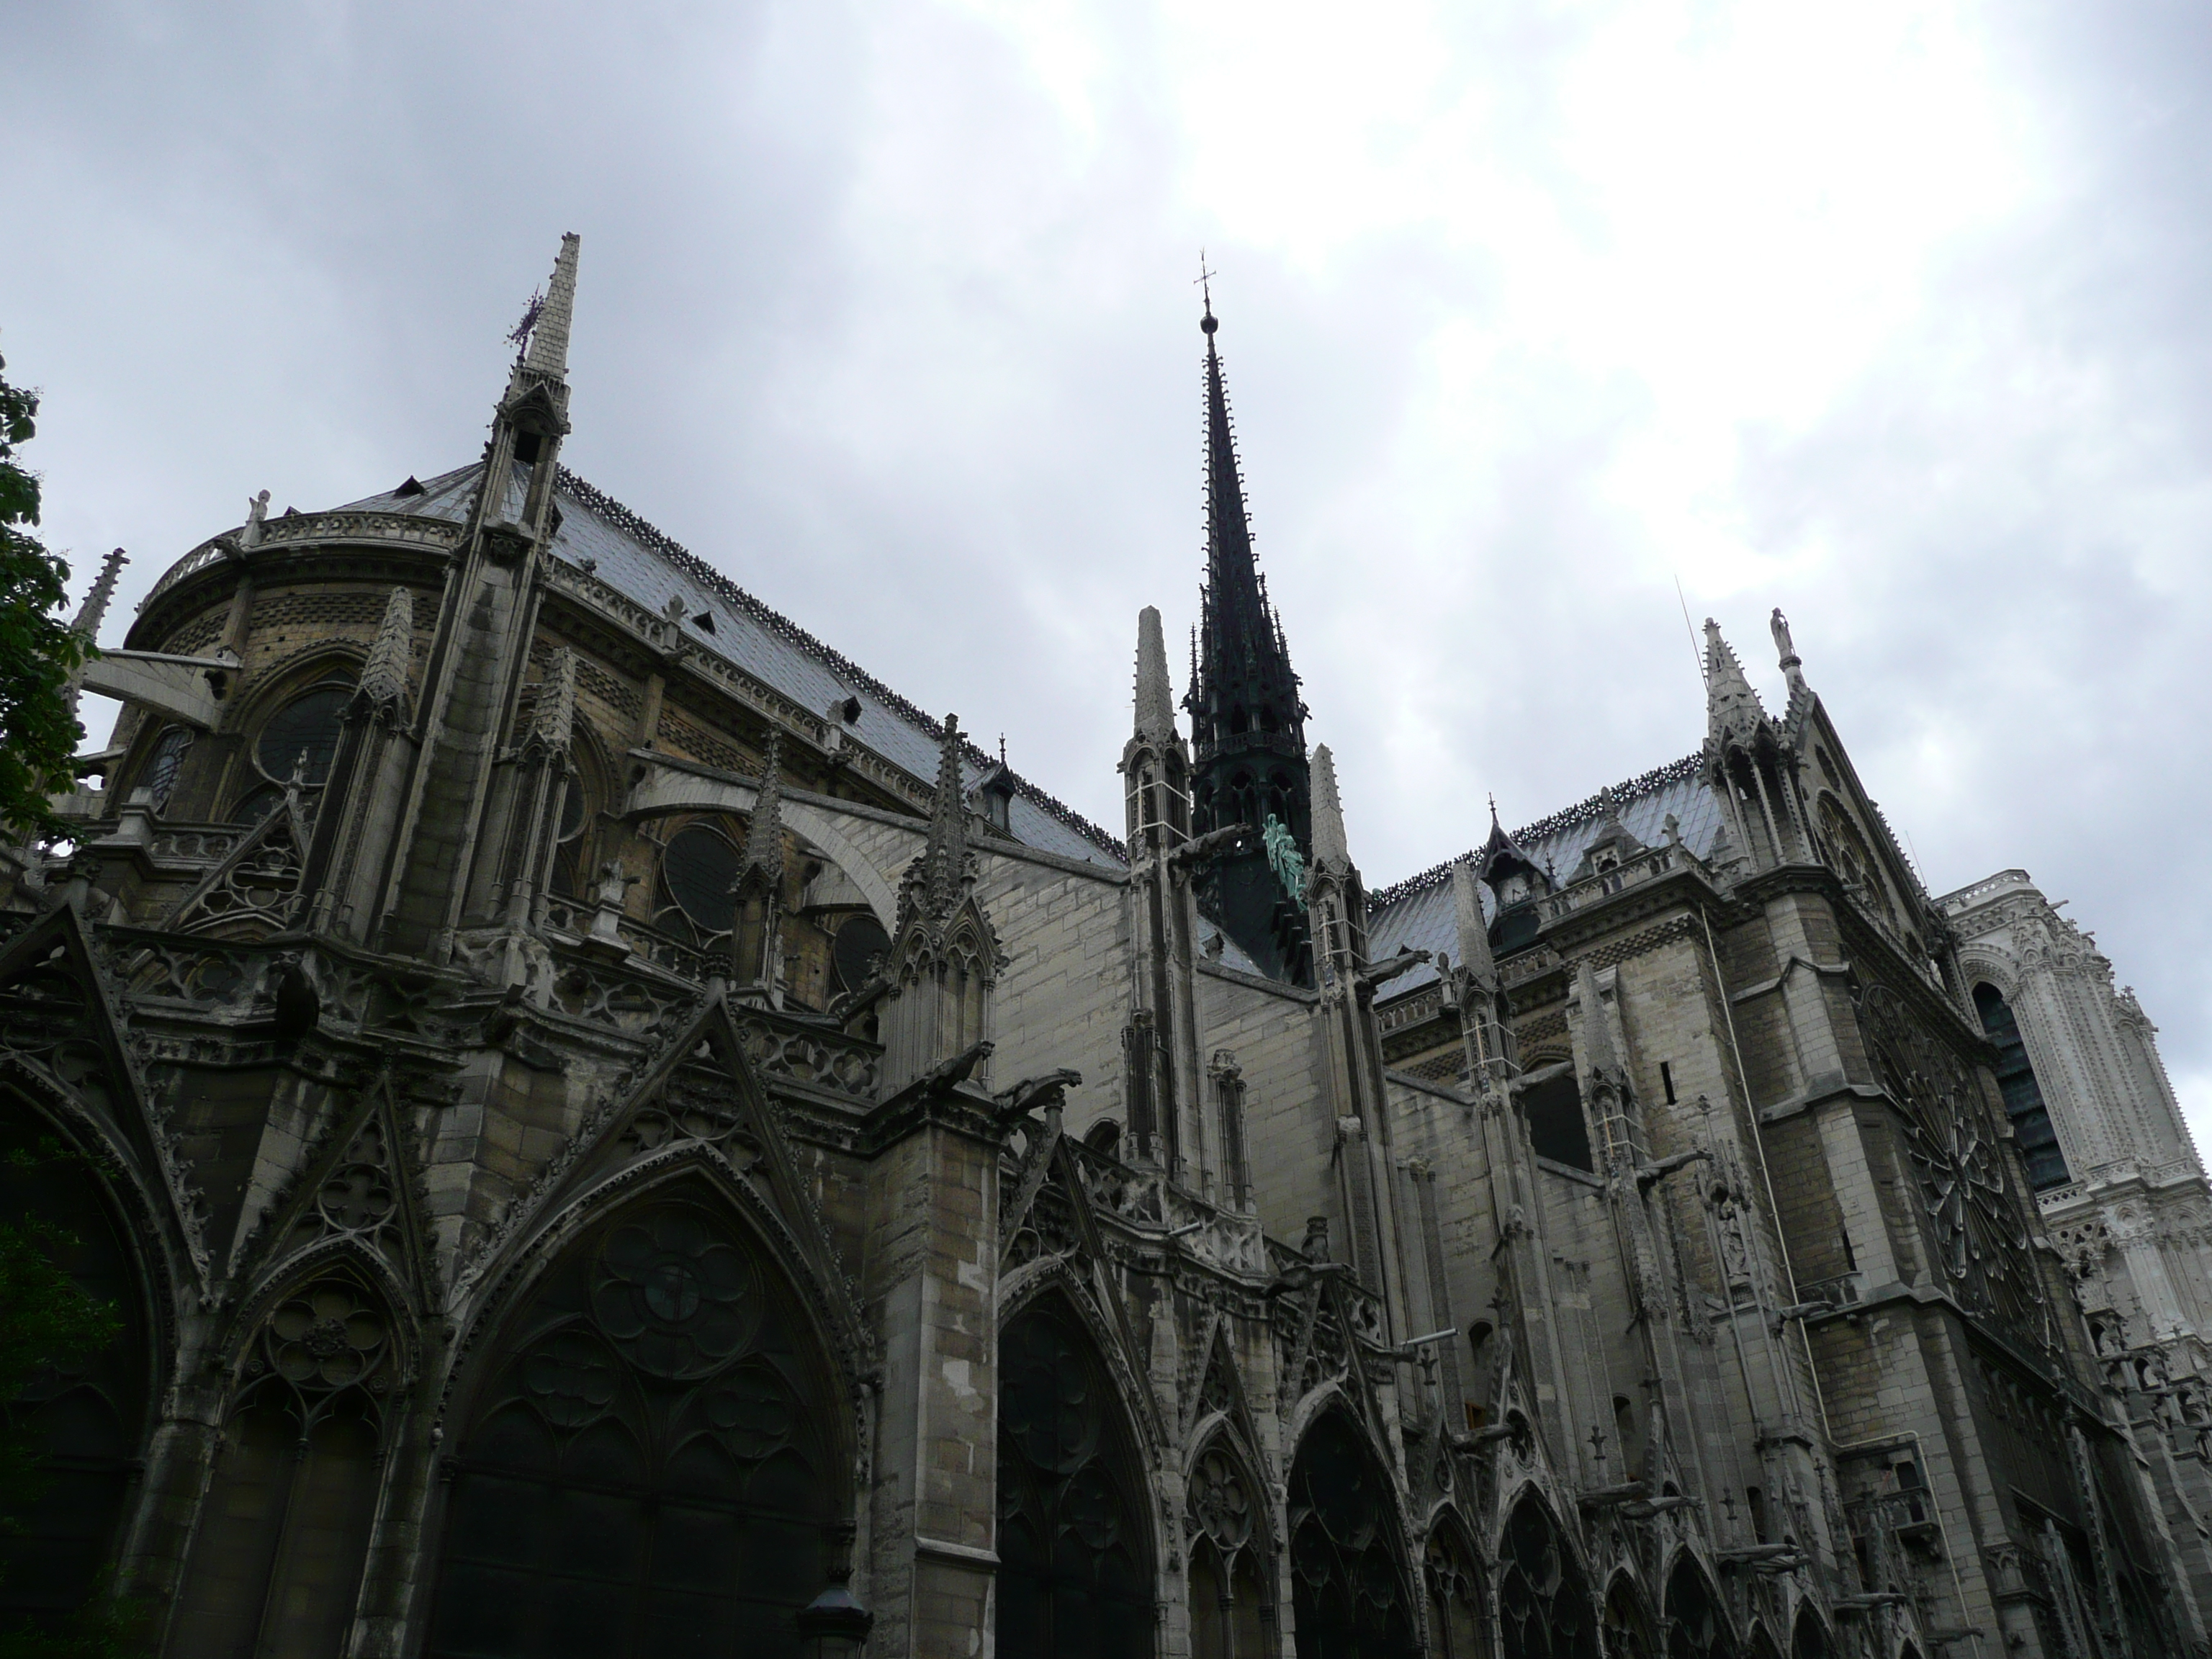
[1890, 315]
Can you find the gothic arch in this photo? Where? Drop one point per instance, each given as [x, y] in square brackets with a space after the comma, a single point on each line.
[655, 1449]
[665, 1133]
[1808, 1637]
[1543, 1601]
[90, 1423]
[1351, 1591]
[1231, 1550]
[1076, 1549]
[1630, 1626]
[1459, 1617]
[276, 1563]
[1697, 1620]
[1115, 1343]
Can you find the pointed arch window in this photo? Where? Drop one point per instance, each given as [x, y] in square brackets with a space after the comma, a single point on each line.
[1073, 1569]
[1695, 1627]
[1231, 1616]
[275, 1565]
[1348, 1583]
[2023, 1095]
[85, 1421]
[652, 1467]
[1456, 1597]
[1543, 1608]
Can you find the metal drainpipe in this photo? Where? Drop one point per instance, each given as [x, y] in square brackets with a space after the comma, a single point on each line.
[1789, 1274]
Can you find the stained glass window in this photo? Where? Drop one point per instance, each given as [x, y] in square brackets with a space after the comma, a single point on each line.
[1543, 1610]
[1073, 1574]
[2023, 1095]
[652, 1467]
[276, 1566]
[1348, 1586]
[1695, 1628]
[304, 733]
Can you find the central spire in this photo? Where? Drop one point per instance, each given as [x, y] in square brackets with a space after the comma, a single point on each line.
[1248, 723]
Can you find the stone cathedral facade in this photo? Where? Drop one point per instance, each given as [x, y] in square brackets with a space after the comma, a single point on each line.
[611, 1132]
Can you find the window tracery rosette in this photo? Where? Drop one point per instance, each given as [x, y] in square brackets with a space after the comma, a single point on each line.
[1969, 1206]
[327, 1341]
[1543, 1607]
[656, 1452]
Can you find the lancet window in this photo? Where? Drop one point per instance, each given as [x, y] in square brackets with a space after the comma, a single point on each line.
[1543, 1607]
[1348, 1580]
[1627, 1625]
[1696, 1629]
[698, 872]
[275, 1568]
[652, 1466]
[2023, 1095]
[1455, 1598]
[1231, 1616]
[85, 1422]
[299, 739]
[1074, 1574]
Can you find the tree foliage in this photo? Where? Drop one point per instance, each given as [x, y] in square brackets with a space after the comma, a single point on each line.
[39, 735]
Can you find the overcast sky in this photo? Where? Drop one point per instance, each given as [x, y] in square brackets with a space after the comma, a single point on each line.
[1892, 315]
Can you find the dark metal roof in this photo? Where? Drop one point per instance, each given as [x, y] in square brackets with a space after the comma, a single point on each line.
[1418, 911]
[650, 566]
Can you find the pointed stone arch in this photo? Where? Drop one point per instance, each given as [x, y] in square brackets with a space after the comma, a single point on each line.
[1077, 1551]
[700, 1107]
[1696, 1619]
[658, 1387]
[1459, 1616]
[1229, 1544]
[1351, 1589]
[70, 1197]
[64, 1043]
[1808, 1637]
[1759, 1645]
[1544, 1609]
[275, 1564]
[1631, 1627]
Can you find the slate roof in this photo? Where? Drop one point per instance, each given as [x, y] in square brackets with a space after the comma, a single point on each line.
[1418, 912]
[649, 567]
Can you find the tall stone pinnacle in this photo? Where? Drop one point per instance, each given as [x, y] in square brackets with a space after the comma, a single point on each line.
[1155, 700]
[554, 720]
[549, 341]
[1330, 850]
[1733, 710]
[94, 607]
[1473, 934]
[943, 866]
[1597, 1031]
[764, 837]
[383, 675]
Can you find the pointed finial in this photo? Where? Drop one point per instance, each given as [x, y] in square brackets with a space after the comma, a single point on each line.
[1155, 697]
[548, 350]
[1493, 810]
[383, 675]
[764, 836]
[944, 861]
[1329, 848]
[1732, 707]
[95, 600]
[1597, 1031]
[1473, 934]
[553, 722]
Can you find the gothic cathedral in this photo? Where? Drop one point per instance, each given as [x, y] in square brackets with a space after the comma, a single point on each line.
[613, 1134]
